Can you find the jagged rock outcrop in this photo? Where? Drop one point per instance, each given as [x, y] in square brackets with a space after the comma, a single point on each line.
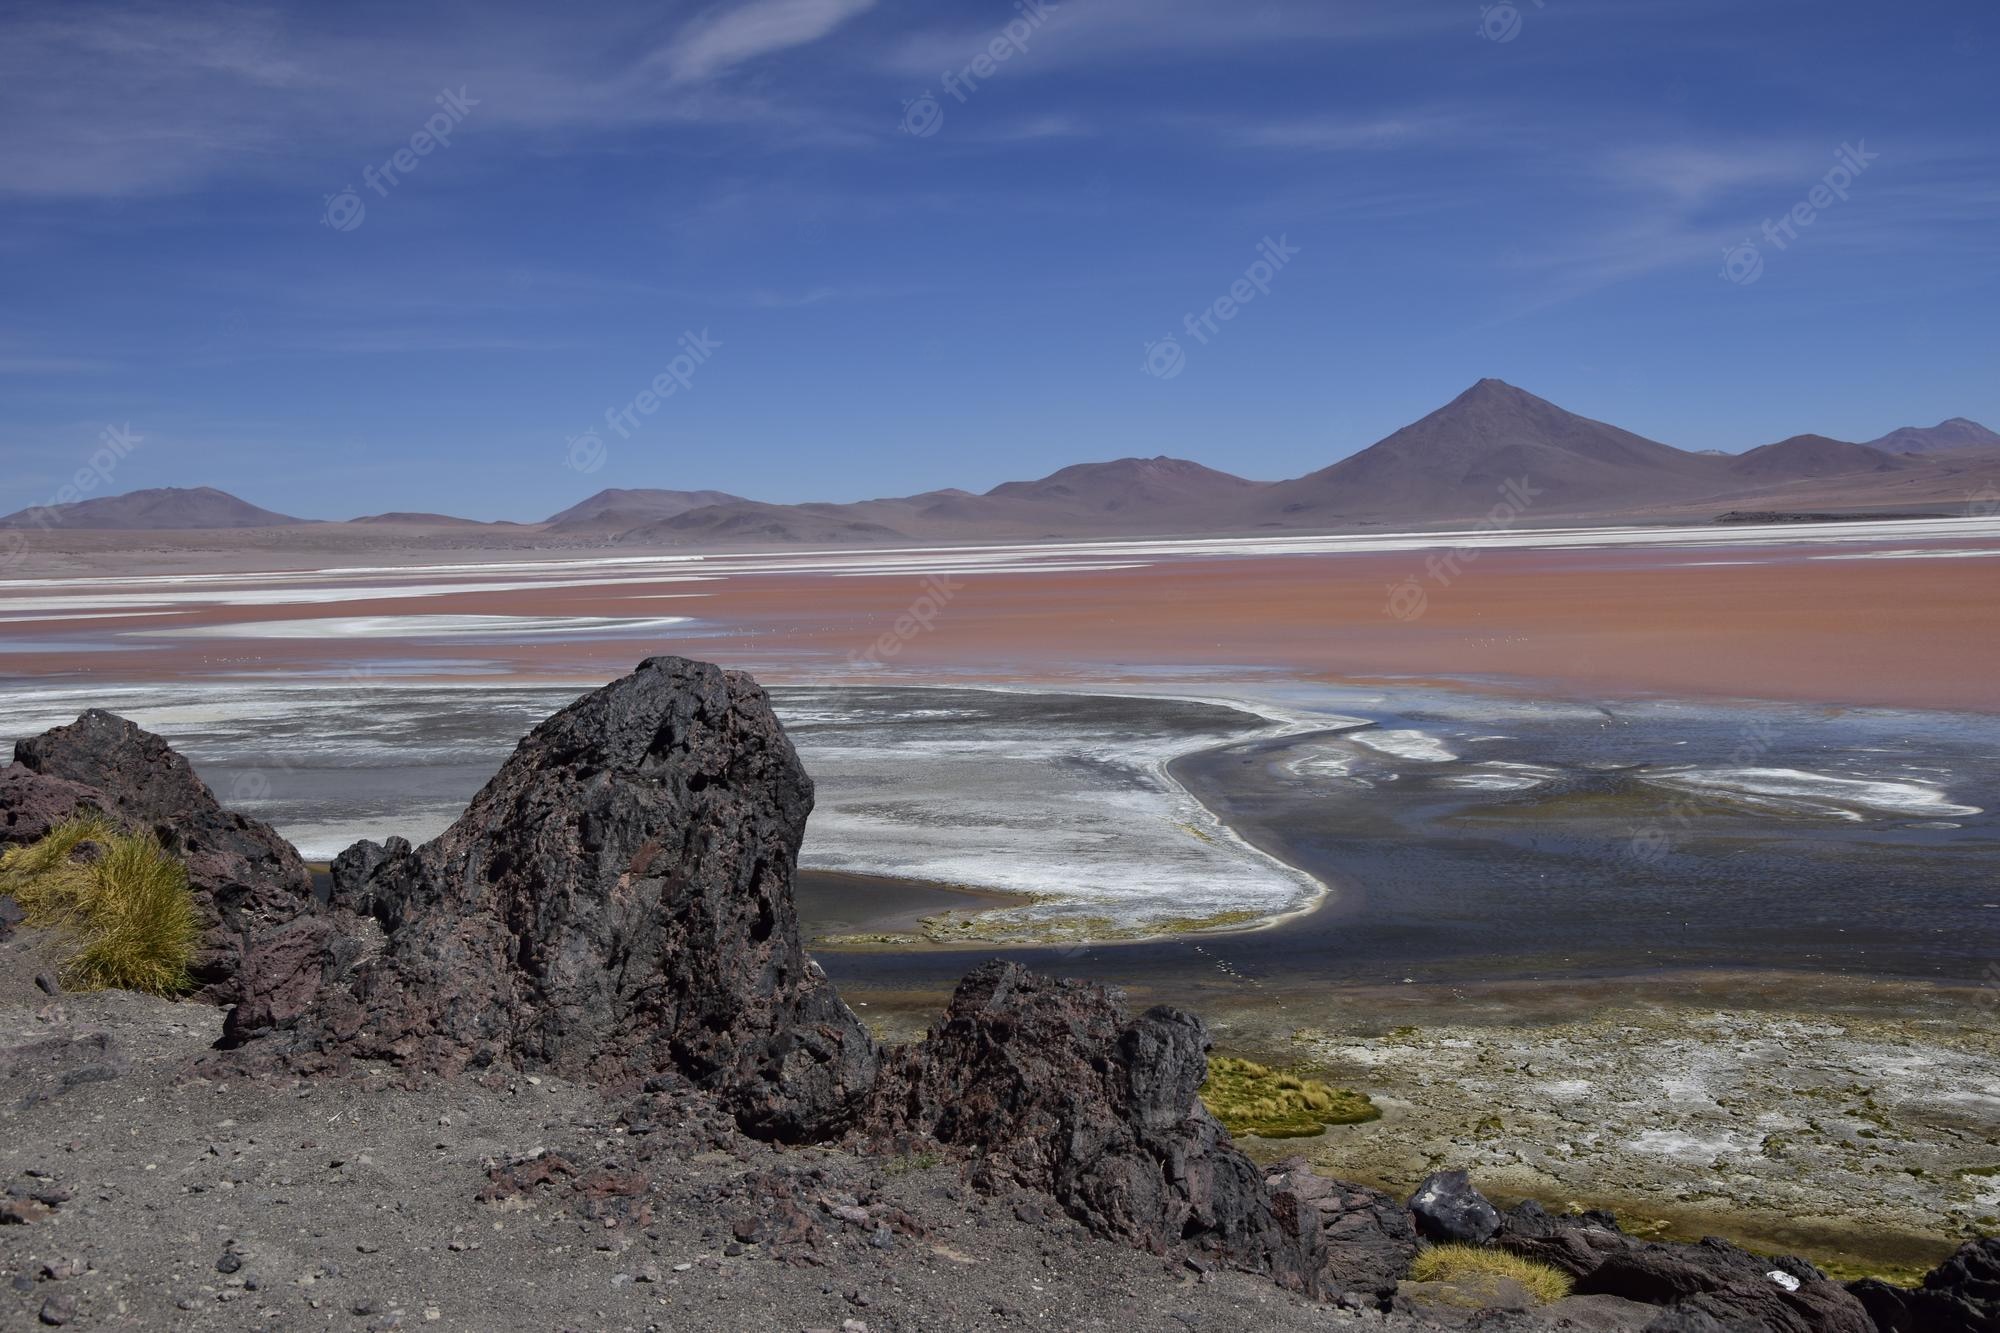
[1049, 1087]
[1574, 1242]
[244, 877]
[31, 804]
[1370, 1238]
[1709, 1284]
[1732, 1286]
[615, 904]
[1447, 1208]
[1960, 1295]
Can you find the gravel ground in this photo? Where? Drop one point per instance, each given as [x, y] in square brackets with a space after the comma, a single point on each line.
[155, 1198]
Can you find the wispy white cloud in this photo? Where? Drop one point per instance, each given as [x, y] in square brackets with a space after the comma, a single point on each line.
[1091, 31]
[769, 300]
[727, 36]
[111, 99]
[50, 365]
[1694, 174]
[1347, 133]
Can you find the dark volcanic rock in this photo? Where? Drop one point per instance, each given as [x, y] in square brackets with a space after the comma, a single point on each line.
[1684, 1320]
[1731, 1285]
[1052, 1089]
[1960, 1295]
[1370, 1236]
[32, 803]
[1576, 1243]
[1447, 1208]
[244, 876]
[615, 903]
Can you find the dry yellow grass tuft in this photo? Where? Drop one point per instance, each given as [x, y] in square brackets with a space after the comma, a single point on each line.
[126, 908]
[1249, 1098]
[1463, 1263]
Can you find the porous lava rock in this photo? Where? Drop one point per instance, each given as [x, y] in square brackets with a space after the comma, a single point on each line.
[1960, 1295]
[1370, 1237]
[1448, 1208]
[1732, 1286]
[614, 905]
[1574, 1242]
[244, 877]
[1047, 1086]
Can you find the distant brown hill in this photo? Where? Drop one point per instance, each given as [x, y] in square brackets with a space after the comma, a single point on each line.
[749, 521]
[1126, 495]
[1811, 456]
[619, 509]
[1947, 437]
[401, 518]
[166, 508]
[1449, 468]
[1127, 484]
[1454, 462]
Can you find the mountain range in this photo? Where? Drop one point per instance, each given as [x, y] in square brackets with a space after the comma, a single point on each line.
[1450, 466]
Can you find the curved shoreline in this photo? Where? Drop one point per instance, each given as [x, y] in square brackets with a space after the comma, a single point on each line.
[952, 930]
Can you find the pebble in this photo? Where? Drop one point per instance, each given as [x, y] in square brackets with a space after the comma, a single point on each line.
[58, 1310]
[230, 1262]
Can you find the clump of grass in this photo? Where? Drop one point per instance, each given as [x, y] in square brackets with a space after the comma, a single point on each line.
[1249, 1098]
[1469, 1263]
[126, 910]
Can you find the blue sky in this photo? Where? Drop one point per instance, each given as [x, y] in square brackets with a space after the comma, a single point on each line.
[1544, 193]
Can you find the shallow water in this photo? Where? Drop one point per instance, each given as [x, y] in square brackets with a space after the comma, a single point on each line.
[1464, 838]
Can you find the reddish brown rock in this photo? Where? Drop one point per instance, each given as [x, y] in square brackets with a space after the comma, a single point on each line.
[1047, 1086]
[32, 803]
[1370, 1237]
[244, 876]
[615, 903]
[1730, 1285]
[1960, 1295]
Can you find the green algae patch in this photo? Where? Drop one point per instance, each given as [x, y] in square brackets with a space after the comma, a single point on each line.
[1252, 1099]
